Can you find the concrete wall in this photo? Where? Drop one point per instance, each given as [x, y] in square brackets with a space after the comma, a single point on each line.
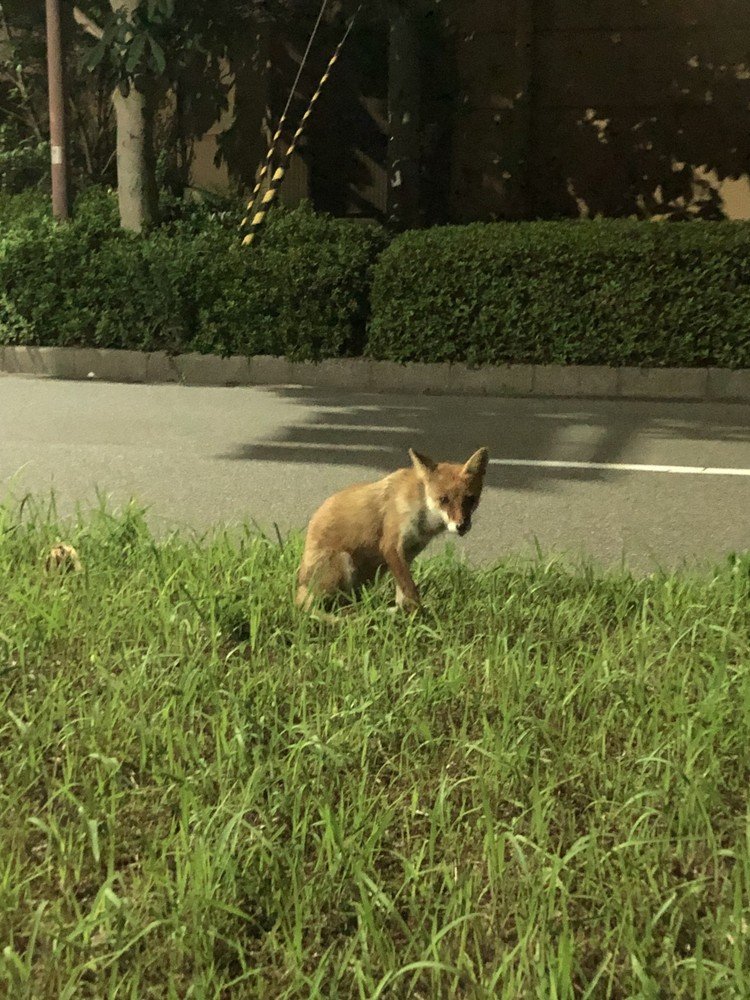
[532, 108]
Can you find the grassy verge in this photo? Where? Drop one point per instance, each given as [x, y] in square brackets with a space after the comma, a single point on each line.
[538, 788]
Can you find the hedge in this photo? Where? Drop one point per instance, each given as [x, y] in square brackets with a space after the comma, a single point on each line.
[188, 286]
[609, 293]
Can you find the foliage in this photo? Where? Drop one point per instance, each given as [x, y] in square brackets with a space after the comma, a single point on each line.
[610, 293]
[24, 161]
[180, 48]
[23, 89]
[96, 209]
[543, 293]
[305, 286]
[536, 788]
[18, 210]
[24, 152]
[161, 38]
[302, 291]
[131, 42]
[200, 209]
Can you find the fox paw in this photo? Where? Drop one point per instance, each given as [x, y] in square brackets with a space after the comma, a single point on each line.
[405, 607]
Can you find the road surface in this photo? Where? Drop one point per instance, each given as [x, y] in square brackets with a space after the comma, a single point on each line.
[609, 480]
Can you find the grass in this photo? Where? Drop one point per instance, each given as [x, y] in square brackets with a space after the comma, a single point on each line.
[536, 788]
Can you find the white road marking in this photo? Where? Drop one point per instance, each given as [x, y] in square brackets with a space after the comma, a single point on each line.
[676, 470]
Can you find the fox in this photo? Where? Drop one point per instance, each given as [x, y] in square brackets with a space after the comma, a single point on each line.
[380, 525]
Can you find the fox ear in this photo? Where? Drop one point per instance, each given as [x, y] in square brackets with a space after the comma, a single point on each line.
[423, 465]
[477, 464]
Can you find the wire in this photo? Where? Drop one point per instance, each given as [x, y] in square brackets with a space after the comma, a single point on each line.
[281, 170]
[282, 121]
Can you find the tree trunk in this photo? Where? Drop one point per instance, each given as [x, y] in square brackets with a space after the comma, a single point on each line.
[136, 165]
[136, 162]
[404, 136]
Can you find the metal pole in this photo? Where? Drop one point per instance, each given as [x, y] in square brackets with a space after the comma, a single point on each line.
[58, 154]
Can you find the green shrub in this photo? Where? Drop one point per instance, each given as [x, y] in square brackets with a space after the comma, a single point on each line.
[22, 209]
[141, 308]
[548, 292]
[40, 263]
[96, 210]
[301, 291]
[608, 293]
[24, 161]
[201, 208]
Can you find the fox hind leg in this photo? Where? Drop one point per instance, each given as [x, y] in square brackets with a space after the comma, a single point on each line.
[328, 574]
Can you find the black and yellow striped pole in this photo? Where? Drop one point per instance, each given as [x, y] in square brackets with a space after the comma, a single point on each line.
[266, 166]
[280, 172]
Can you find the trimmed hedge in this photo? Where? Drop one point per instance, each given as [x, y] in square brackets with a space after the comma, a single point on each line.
[608, 293]
[188, 286]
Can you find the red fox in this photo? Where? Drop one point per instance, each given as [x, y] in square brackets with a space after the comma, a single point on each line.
[386, 524]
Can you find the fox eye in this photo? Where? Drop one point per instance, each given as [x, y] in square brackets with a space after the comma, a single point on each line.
[444, 500]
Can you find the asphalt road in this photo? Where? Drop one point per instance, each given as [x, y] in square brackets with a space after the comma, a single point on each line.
[197, 457]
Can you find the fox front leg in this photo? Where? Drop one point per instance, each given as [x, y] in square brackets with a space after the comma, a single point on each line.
[407, 595]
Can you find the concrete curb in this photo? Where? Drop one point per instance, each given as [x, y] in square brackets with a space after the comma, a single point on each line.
[364, 375]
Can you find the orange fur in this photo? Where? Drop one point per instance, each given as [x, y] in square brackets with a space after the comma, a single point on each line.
[371, 526]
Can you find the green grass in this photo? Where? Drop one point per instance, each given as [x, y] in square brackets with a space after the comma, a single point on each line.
[536, 788]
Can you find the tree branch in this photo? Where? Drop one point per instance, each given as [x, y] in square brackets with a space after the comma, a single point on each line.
[85, 22]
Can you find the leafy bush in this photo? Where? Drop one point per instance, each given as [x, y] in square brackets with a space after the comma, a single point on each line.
[24, 161]
[21, 209]
[301, 291]
[96, 210]
[200, 209]
[609, 292]
[545, 292]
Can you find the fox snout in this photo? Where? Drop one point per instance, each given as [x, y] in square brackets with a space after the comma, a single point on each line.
[459, 525]
[458, 515]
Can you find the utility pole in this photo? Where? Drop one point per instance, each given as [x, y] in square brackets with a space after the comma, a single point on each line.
[56, 90]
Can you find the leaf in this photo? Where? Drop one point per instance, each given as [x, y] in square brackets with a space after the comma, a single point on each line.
[160, 10]
[112, 29]
[95, 56]
[157, 53]
[135, 53]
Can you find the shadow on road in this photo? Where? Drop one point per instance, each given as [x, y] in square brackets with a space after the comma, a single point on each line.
[374, 432]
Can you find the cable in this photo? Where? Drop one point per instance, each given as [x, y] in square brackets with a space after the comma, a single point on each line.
[280, 171]
[282, 121]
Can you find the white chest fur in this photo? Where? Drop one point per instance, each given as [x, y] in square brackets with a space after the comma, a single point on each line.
[420, 530]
